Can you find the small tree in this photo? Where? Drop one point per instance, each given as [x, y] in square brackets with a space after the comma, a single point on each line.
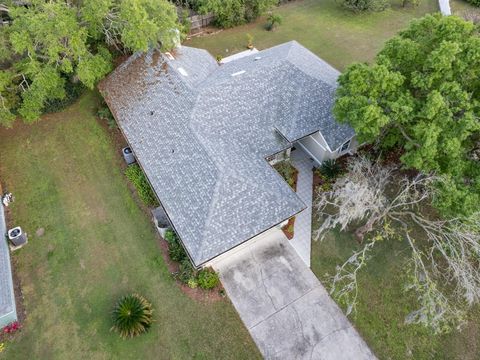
[132, 316]
[273, 20]
[365, 5]
[443, 267]
[229, 13]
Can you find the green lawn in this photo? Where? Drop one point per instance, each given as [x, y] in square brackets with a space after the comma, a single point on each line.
[66, 175]
[337, 35]
[383, 304]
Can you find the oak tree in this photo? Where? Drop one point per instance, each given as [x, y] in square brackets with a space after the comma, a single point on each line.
[422, 96]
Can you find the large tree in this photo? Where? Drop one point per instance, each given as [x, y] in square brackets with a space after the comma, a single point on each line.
[51, 43]
[421, 96]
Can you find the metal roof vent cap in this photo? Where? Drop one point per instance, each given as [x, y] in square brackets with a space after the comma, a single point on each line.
[128, 155]
[238, 73]
[17, 237]
[258, 58]
[182, 71]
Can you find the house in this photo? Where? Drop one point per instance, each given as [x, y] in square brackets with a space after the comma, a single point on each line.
[204, 134]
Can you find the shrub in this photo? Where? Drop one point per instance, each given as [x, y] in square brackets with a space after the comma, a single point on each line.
[170, 236]
[286, 170]
[365, 5]
[192, 283]
[132, 316]
[136, 176]
[474, 2]
[72, 92]
[230, 13]
[186, 272]
[208, 279]
[11, 328]
[175, 249]
[105, 114]
[273, 21]
[330, 169]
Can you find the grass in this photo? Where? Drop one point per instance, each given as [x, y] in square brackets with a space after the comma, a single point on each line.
[461, 7]
[339, 36]
[383, 304]
[98, 245]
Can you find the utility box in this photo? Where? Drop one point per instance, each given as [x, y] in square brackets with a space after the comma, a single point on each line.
[160, 220]
[128, 155]
[17, 237]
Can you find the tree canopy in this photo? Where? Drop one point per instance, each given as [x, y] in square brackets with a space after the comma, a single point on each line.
[422, 96]
[50, 43]
[229, 13]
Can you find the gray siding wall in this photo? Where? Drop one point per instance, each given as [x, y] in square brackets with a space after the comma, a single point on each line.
[8, 311]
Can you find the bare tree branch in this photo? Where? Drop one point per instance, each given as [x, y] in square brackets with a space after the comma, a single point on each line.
[445, 253]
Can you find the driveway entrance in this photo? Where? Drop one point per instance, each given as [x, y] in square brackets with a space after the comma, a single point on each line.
[284, 306]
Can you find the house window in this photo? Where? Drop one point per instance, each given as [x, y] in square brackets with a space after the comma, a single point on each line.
[344, 147]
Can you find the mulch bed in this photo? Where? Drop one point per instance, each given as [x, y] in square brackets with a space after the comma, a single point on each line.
[197, 294]
[290, 225]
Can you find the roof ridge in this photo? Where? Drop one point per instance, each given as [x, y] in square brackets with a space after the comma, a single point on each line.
[252, 184]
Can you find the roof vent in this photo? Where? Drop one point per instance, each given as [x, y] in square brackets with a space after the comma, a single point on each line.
[182, 71]
[238, 73]
[258, 58]
[169, 56]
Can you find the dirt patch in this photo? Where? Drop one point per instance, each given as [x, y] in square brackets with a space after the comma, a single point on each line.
[197, 294]
[206, 31]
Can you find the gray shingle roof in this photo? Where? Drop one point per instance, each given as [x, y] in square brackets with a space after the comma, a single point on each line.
[202, 135]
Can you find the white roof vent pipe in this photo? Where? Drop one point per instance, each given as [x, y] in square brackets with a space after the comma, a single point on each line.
[182, 71]
[258, 58]
[238, 73]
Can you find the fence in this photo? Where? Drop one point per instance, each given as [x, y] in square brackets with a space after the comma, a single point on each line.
[200, 21]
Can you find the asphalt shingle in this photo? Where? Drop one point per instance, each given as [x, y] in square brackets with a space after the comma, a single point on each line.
[201, 132]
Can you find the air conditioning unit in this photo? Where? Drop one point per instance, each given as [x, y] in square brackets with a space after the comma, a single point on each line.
[160, 220]
[128, 155]
[17, 237]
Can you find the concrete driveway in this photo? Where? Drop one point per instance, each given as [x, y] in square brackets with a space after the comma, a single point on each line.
[284, 306]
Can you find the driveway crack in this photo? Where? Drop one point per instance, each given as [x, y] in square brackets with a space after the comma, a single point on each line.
[262, 278]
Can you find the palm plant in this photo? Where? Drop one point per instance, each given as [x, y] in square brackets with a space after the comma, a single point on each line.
[132, 316]
[330, 168]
